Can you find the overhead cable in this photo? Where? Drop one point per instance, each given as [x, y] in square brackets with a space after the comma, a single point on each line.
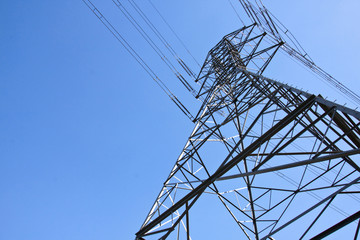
[175, 34]
[154, 46]
[276, 30]
[161, 37]
[137, 57]
[237, 14]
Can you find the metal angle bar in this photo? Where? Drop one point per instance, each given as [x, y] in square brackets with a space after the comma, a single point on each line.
[191, 153]
[291, 197]
[187, 222]
[234, 34]
[268, 104]
[351, 192]
[351, 122]
[327, 187]
[337, 226]
[266, 136]
[319, 99]
[291, 140]
[254, 220]
[333, 143]
[267, 91]
[155, 206]
[265, 50]
[234, 217]
[341, 123]
[243, 44]
[312, 208]
[180, 217]
[357, 231]
[317, 217]
[335, 130]
[201, 188]
[304, 186]
[159, 231]
[289, 153]
[232, 204]
[274, 189]
[291, 165]
[316, 135]
[270, 57]
[346, 176]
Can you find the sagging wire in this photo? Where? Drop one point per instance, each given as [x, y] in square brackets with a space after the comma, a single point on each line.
[271, 25]
[153, 45]
[237, 14]
[137, 57]
[175, 34]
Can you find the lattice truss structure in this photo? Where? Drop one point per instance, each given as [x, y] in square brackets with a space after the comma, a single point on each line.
[278, 159]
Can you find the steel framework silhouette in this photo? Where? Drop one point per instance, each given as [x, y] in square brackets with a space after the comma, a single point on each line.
[280, 160]
[268, 131]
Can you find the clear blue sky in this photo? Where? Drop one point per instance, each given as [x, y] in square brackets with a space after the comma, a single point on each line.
[86, 137]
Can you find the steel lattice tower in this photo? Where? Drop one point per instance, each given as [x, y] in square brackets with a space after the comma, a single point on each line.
[278, 159]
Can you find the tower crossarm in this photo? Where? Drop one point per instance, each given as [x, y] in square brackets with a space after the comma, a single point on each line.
[277, 32]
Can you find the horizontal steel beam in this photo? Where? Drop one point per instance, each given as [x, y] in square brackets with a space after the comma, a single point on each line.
[295, 164]
[318, 99]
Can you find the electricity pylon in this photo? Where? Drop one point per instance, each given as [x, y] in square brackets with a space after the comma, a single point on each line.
[285, 159]
[280, 160]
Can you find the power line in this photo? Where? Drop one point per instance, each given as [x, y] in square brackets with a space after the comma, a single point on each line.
[175, 34]
[137, 57]
[276, 30]
[161, 38]
[237, 14]
[153, 45]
